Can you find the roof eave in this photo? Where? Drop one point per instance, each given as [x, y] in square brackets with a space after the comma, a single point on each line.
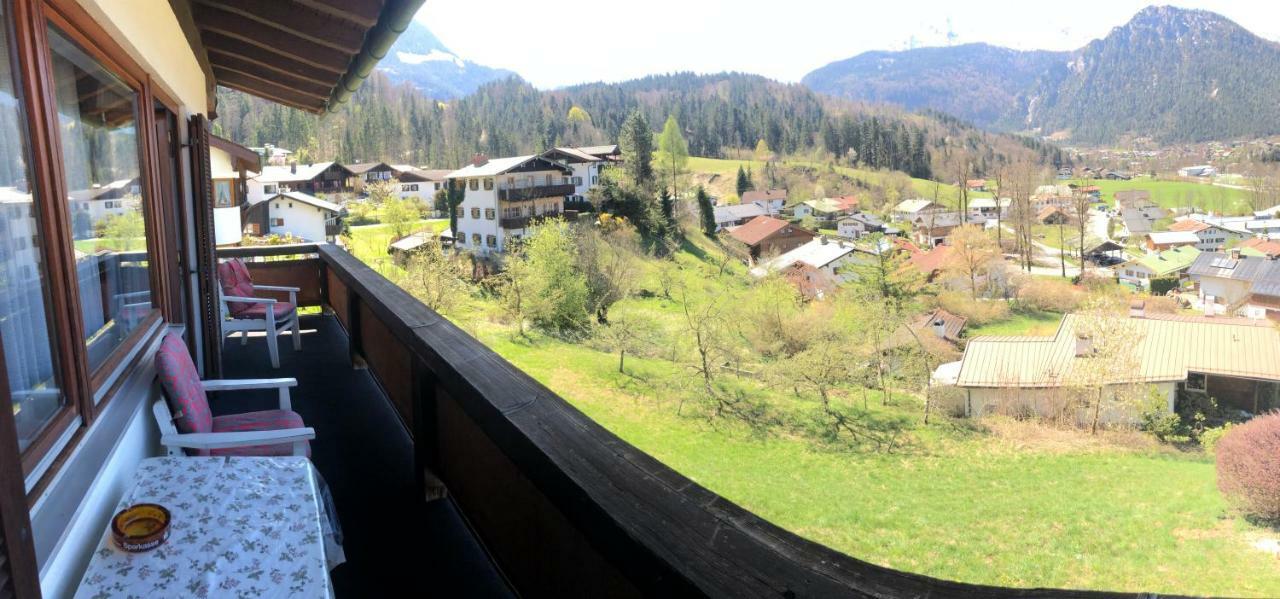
[393, 21]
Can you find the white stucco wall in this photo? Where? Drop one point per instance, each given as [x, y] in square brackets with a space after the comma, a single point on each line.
[481, 198]
[300, 219]
[227, 229]
[1224, 291]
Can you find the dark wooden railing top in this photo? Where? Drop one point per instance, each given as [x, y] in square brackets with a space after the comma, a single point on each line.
[516, 194]
[668, 534]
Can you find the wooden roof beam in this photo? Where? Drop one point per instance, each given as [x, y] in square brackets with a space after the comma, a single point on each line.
[250, 69]
[295, 20]
[221, 47]
[361, 12]
[283, 91]
[252, 87]
[271, 39]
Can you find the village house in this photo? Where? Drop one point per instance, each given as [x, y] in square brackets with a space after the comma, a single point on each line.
[1211, 237]
[986, 208]
[769, 236]
[908, 210]
[312, 179]
[271, 155]
[976, 184]
[230, 167]
[735, 215]
[586, 168]
[772, 200]
[420, 184]
[1233, 283]
[859, 224]
[1157, 241]
[930, 262]
[1046, 196]
[1264, 226]
[365, 173]
[1168, 263]
[295, 213]
[1093, 192]
[1234, 361]
[827, 257]
[933, 228]
[1202, 170]
[505, 197]
[827, 210]
[1053, 215]
[1139, 199]
[1260, 246]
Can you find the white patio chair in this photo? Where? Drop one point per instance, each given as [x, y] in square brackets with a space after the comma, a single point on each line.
[265, 315]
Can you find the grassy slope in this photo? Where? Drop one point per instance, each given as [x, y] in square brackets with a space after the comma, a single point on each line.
[1020, 323]
[726, 171]
[962, 505]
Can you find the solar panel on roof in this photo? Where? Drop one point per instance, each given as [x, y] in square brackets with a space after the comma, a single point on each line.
[1227, 263]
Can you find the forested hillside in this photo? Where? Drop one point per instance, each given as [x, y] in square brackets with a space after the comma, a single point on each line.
[722, 115]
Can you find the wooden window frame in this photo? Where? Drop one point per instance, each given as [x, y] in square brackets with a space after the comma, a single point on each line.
[86, 392]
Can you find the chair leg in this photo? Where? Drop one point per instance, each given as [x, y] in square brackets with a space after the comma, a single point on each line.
[244, 338]
[297, 334]
[272, 349]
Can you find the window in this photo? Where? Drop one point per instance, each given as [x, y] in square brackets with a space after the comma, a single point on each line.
[460, 237]
[475, 213]
[577, 180]
[277, 222]
[269, 188]
[222, 194]
[547, 179]
[491, 240]
[99, 133]
[594, 179]
[35, 393]
[437, 186]
[410, 187]
[473, 184]
[489, 213]
[488, 184]
[475, 239]
[291, 204]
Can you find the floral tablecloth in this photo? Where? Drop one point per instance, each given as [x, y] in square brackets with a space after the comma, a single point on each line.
[241, 527]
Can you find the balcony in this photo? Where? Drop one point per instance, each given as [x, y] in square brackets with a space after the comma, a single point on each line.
[541, 500]
[519, 194]
[523, 222]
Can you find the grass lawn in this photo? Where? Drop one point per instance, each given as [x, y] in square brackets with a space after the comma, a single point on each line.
[1012, 504]
[369, 242]
[1176, 194]
[1035, 322]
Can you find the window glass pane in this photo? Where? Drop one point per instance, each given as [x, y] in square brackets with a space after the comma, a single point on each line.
[97, 114]
[24, 324]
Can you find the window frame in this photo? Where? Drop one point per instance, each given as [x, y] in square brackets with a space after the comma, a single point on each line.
[87, 393]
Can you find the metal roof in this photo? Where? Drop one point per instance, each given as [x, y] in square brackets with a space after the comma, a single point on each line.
[1167, 350]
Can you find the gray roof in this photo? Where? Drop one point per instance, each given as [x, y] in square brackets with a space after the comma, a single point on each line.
[1136, 221]
[865, 218]
[498, 166]
[307, 199]
[736, 212]
[1263, 273]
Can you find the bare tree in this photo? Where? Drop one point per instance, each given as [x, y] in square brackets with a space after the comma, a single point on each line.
[1081, 202]
[972, 253]
[438, 279]
[1106, 359]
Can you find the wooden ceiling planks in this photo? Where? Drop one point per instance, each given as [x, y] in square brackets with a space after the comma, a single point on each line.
[361, 12]
[311, 25]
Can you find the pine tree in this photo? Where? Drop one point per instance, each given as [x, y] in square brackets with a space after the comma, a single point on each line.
[706, 211]
[744, 182]
[636, 140]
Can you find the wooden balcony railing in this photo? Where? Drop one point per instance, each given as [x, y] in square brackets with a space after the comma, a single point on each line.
[517, 194]
[524, 221]
[565, 507]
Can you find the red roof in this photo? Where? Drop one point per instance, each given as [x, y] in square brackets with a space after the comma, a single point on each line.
[847, 203]
[1048, 211]
[764, 195]
[761, 228]
[974, 183]
[931, 261]
[1269, 247]
[1189, 224]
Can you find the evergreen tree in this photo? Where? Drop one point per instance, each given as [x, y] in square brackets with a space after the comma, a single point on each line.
[744, 182]
[636, 140]
[706, 211]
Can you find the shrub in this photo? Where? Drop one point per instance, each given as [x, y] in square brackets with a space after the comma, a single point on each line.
[1211, 436]
[1051, 295]
[977, 311]
[1162, 285]
[1155, 418]
[1248, 471]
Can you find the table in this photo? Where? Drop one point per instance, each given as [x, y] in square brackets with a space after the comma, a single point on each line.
[241, 527]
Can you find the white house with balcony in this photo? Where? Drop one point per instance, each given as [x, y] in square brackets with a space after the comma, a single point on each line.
[505, 196]
[586, 168]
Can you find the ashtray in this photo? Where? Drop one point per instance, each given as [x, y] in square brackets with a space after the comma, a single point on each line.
[140, 527]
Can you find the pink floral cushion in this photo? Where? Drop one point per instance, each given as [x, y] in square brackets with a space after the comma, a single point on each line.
[182, 388]
[266, 420]
[259, 311]
[235, 280]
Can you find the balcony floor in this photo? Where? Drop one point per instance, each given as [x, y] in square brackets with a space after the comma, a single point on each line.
[366, 456]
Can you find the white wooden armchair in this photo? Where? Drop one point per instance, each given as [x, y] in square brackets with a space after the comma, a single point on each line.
[190, 429]
[244, 313]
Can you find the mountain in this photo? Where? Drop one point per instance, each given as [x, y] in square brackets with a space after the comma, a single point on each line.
[1170, 74]
[421, 60]
[980, 83]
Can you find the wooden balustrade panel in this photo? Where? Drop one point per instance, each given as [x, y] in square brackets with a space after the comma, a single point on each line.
[390, 362]
[338, 299]
[534, 543]
[307, 275]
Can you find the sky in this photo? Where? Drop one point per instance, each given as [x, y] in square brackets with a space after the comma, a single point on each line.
[567, 42]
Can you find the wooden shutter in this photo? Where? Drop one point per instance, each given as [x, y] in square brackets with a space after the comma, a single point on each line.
[206, 262]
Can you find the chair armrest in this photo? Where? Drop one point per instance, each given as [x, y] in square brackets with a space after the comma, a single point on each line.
[248, 300]
[238, 438]
[244, 384]
[277, 288]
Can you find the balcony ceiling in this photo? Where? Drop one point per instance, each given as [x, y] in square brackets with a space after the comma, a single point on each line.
[308, 54]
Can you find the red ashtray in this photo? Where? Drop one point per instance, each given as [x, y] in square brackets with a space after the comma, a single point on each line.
[140, 527]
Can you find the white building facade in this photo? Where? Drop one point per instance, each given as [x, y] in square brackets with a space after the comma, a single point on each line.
[505, 197]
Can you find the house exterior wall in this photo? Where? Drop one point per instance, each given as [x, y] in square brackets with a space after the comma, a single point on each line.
[781, 243]
[149, 31]
[1215, 238]
[488, 220]
[1135, 274]
[1048, 403]
[300, 219]
[1224, 291]
[851, 229]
